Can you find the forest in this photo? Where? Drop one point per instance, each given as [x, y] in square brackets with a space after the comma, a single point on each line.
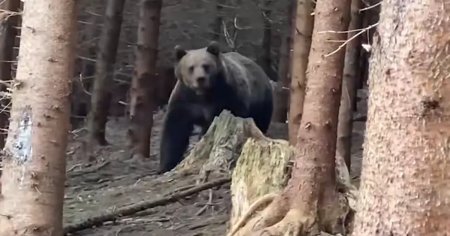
[224, 117]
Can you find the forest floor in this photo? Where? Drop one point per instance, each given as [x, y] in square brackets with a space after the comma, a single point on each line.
[108, 178]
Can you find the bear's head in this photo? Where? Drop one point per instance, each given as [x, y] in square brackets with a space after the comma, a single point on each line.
[198, 69]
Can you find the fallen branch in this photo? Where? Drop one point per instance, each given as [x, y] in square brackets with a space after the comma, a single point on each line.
[130, 210]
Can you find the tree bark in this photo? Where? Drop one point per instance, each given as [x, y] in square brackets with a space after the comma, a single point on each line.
[216, 26]
[266, 60]
[216, 153]
[34, 154]
[281, 97]
[143, 84]
[8, 34]
[349, 83]
[301, 46]
[405, 180]
[86, 47]
[106, 57]
[310, 202]
[369, 17]
[263, 168]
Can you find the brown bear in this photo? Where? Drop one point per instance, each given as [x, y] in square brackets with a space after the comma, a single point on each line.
[209, 81]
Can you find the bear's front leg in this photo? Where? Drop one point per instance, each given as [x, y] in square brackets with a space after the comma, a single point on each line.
[177, 128]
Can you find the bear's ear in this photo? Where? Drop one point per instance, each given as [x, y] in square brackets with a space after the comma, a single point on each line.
[179, 52]
[213, 48]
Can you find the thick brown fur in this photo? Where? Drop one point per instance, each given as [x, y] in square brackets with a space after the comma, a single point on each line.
[210, 81]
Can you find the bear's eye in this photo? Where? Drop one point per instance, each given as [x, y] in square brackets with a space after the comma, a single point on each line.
[191, 69]
[206, 67]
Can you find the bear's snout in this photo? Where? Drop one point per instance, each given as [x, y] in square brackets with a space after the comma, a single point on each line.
[201, 81]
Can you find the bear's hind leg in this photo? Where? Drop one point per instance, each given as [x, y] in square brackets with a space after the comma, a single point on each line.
[177, 128]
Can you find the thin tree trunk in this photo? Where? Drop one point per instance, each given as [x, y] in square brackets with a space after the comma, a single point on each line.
[369, 17]
[81, 99]
[8, 34]
[405, 179]
[351, 77]
[216, 26]
[266, 60]
[281, 97]
[106, 57]
[143, 92]
[301, 46]
[33, 177]
[310, 198]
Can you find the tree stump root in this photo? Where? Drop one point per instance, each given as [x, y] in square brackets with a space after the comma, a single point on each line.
[278, 219]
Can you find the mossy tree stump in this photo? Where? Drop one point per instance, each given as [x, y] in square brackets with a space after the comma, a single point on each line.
[262, 168]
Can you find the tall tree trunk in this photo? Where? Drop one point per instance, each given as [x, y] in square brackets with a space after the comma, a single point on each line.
[405, 179]
[351, 77]
[301, 46]
[86, 47]
[369, 17]
[8, 34]
[33, 177]
[266, 57]
[106, 57]
[143, 92]
[310, 198]
[216, 26]
[284, 67]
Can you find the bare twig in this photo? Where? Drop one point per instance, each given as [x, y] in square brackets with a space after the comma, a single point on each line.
[209, 203]
[236, 26]
[351, 38]
[227, 35]
[370, 7]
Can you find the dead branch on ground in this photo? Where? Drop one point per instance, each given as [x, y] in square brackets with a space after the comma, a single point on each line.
[130, 210]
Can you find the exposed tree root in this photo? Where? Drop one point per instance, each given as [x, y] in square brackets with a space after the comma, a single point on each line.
[284, 216]
[275, 219]
[293, 223]
[278, 219]
[263, 201]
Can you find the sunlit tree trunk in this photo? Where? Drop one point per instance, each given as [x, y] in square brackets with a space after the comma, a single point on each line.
[301, 46]
[351, 77]
[31, 201]
[310, 200]
[405, 178]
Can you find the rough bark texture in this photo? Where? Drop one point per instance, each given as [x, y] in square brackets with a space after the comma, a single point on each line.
[8, 34]
[281, 97]
[405, 179]
[262, 168]
[216, 26]
[301, 46]
[106, 57]
[81, 98]
[216, 153]
[350, 80]
[370, 17]
[34, 155]
[310, 202]
[143, 94]
[266, 57]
